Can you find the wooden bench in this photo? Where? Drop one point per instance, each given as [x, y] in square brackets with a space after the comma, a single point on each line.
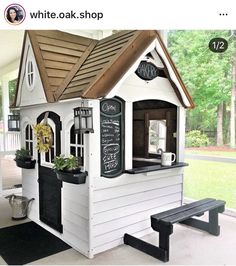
[163, 223]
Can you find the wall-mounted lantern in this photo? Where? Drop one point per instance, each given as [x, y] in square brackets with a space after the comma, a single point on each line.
[14, 122]
[83, 117]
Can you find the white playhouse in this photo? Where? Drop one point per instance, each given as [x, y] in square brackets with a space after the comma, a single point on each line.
[137, 100]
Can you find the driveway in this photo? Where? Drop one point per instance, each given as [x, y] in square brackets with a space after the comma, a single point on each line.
[210, 158]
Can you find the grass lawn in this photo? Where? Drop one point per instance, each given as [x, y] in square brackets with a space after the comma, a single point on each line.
[205, 179]
[211, 153]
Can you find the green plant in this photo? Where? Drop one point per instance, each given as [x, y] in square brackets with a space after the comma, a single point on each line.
[195, 138]
[63, 163]
[22, 155]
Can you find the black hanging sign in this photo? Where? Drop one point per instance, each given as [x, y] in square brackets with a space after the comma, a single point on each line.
[112, 126]
[147, 70]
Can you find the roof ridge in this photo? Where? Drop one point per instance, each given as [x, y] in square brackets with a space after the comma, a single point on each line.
[116, 35]
[74, 70]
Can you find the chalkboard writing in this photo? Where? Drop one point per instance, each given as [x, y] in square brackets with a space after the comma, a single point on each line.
[147, 70]
[111, 137]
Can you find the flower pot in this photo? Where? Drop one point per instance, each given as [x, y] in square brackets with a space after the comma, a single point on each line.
[27, 164]
[72, 176]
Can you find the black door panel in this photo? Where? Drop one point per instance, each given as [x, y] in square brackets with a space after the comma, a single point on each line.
[49, 185]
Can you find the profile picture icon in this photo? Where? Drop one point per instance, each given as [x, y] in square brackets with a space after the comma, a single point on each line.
[14, 14]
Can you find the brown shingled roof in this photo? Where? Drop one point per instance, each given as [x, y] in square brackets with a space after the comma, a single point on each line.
[107, 63]
[58, 56]
[72, 66]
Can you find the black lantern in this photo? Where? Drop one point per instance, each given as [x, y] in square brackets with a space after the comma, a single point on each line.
[14, 122]
[83, 119]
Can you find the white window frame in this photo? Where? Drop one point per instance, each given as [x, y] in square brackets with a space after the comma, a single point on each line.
[28, 140]
[30, 74]
[68, 143]
[77, 145]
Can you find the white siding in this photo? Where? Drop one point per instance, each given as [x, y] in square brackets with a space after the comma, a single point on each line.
[124, 204]
[75, 217]
[75, 203]
[30, 190]
[135, 89]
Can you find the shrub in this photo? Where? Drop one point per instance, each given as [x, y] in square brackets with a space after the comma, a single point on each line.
[195, 138]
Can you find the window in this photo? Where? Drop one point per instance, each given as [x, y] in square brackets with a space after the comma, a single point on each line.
[30, 74]
[76, 144]
[157, 136]
[154, 127]
[29, 139]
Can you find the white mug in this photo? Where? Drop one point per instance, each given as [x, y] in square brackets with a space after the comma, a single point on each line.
[166, 158]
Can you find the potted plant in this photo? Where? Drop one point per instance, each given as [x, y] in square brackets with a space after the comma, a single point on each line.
[24, 159]
[68, 169]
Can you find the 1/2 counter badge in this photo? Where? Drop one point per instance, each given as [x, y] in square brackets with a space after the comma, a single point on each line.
[218, 45]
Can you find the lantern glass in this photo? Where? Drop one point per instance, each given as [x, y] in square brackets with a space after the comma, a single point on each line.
[13, 122]
[83, 120]
[89, 122]
[76, 121]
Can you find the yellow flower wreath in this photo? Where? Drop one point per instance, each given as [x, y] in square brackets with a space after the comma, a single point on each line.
[44, 137]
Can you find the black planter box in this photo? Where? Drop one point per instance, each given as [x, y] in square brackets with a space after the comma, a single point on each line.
[70, 177]
[30, 164]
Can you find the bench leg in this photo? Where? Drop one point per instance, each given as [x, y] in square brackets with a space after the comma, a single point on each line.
[214, 227]
[147, 248]
[164, 237]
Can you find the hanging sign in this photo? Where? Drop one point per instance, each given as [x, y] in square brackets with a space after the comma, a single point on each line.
[147, 70]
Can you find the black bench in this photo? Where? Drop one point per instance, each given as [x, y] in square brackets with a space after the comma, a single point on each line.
[163, 223]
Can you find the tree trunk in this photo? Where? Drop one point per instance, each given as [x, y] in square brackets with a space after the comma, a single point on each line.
[219, 141]
[232, 107]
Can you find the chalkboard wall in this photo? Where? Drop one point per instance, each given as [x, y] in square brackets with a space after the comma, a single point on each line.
[112, 137]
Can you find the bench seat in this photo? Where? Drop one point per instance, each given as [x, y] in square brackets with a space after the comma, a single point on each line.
[163, 223]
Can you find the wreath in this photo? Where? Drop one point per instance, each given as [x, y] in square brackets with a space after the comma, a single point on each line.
[43, 133]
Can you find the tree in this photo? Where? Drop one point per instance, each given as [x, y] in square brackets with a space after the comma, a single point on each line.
[1, 115]
[207, 75]
[12, 90]
[233, 94]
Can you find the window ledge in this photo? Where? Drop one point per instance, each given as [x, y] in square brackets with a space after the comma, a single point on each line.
[153, 168]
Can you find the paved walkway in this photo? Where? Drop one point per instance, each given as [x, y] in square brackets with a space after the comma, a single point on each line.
[188, 247]
[11, 174]
[210, 158]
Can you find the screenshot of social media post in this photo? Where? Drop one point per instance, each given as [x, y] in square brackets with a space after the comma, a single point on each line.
[117, 134]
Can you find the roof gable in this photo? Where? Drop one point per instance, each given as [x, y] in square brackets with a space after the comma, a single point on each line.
[27, 95]
[58, 56]
[72, 66]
